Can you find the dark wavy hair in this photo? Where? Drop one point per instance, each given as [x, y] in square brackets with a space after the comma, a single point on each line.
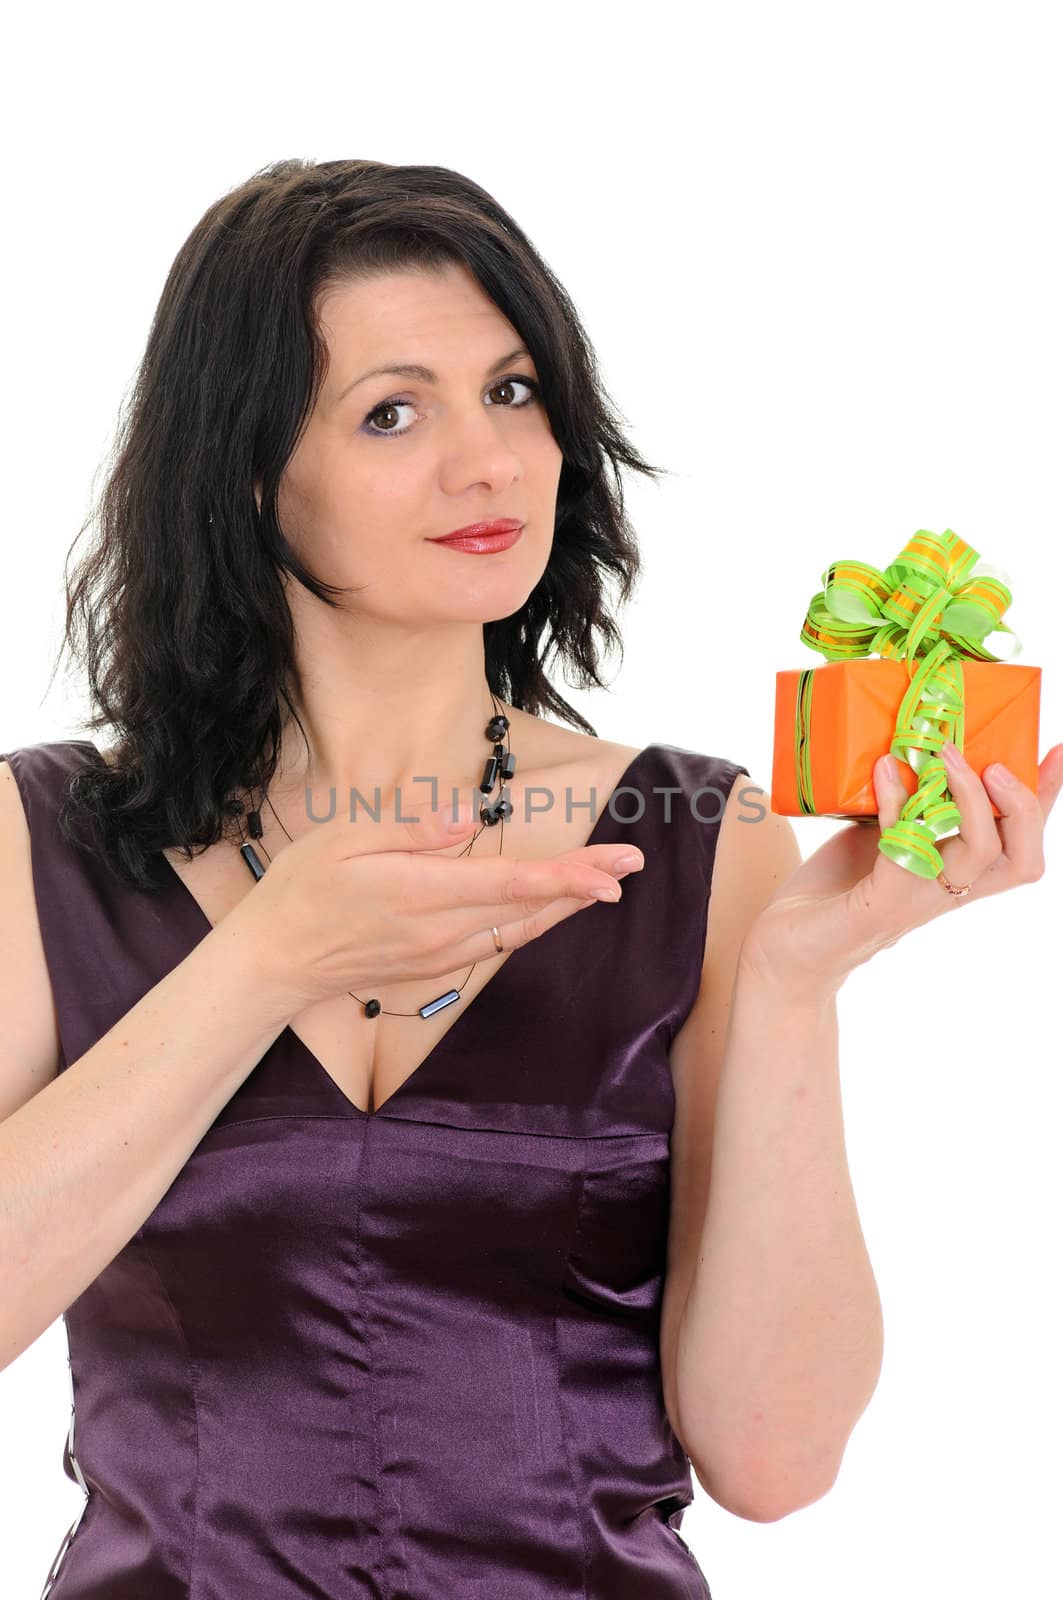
[177, 613]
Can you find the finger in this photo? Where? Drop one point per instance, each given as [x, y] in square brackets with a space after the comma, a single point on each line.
[517, 925]
[424, 829]
[502, 887]
[964, 859]
[890, 792]
[1050, 779]
[978, 844]
[892, 795]
[1021, 826]
[604, 855]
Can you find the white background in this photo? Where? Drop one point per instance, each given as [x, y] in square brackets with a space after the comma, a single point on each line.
[817, 250]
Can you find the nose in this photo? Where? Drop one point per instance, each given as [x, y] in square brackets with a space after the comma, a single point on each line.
[476, 450]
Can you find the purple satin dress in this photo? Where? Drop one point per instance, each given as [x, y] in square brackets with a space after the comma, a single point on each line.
[410, 1354]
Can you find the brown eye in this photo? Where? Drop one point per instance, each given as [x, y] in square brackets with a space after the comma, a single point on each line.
[397, 404]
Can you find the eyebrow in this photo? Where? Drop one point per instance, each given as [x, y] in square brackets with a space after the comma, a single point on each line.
[410, 369]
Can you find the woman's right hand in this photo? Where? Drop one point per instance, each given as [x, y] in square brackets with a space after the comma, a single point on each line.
[348, 906]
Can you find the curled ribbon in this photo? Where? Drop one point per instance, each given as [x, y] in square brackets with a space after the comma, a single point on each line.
[936, 603]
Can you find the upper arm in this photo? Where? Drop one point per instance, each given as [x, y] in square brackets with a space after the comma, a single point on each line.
[756, 851]
[29, 1039]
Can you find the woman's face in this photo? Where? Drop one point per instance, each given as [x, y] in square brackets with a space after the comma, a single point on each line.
[389, 462]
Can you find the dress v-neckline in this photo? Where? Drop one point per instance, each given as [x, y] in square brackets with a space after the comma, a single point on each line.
[183, 893]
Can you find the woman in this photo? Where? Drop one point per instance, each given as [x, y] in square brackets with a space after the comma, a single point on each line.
[386, 1271]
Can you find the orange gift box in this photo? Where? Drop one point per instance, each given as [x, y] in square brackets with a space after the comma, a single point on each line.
[853, 718]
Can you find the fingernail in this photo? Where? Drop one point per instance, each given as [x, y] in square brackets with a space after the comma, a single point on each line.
[607, 894]
[888, 768]
[998, 773]
[627, 863]
[952, 756]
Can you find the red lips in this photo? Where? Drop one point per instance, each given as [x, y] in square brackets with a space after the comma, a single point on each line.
[482, 529]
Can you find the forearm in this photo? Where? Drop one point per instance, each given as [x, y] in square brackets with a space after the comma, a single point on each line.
[780, 1342]
[87, 1158]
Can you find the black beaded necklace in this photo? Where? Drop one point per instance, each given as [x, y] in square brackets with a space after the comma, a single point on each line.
[500, 767]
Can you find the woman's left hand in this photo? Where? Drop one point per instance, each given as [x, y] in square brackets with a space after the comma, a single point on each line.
[848, 900]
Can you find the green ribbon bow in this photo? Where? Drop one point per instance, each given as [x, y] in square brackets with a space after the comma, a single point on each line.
[936, 603]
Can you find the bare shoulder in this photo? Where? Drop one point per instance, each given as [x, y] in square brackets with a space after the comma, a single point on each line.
[543, 746]
[29, 1042]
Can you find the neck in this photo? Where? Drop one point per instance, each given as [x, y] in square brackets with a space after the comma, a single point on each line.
[381, 712]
